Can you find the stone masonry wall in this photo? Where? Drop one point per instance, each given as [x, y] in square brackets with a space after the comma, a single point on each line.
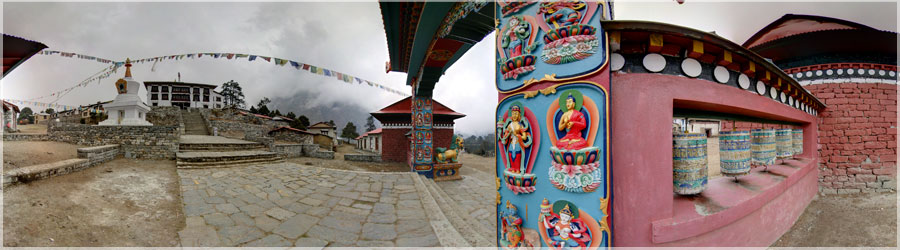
[857, 137]
[165, 116]
[25, 137]
[154, 142]
[292, 136]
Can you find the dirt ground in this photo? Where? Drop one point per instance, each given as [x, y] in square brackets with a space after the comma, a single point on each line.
[866, 220]
[339, 163]
[124, 202]
[18, 154]
[33, 128]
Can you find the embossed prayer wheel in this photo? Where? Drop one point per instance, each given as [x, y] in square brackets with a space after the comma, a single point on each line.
[762, 147]
[784, 146]
[734, 153]
[689, 163]
[798, 141]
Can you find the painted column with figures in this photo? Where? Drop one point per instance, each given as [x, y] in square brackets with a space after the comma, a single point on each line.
[553, 156]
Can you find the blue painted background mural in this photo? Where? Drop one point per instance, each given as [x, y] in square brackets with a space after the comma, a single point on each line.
[552, 125]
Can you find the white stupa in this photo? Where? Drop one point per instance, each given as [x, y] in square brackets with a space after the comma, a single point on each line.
[127, 109]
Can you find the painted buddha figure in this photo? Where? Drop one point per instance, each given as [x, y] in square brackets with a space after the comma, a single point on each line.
[514, 138]
[573, 123]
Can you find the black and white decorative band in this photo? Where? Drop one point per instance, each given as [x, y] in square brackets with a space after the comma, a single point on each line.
[689, 67]
[845, 75]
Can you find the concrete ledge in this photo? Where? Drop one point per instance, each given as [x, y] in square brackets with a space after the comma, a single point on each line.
[43, 171]
[87, 157]
[703, 220]
[25, 137]
[362, 157]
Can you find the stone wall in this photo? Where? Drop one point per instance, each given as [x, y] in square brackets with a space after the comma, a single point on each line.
[25, 137]
[857, 137]
[165, 116]
[292, 136]
[288, 150]
[324, 154]
[237, 129]
[362, 157]
[155, 142]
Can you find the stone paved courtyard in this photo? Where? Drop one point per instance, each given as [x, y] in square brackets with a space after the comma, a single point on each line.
[476, 192]
[287, 204]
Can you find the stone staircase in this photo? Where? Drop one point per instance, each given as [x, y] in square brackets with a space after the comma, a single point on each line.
[213, 151]
[471, 232]
[194, 124]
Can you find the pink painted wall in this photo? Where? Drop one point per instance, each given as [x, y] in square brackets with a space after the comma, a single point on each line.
[641, 116]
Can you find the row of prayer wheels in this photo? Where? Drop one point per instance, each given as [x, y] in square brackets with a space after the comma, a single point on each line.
[738, 151]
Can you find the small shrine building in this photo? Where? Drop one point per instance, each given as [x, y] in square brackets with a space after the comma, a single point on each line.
[395, 120]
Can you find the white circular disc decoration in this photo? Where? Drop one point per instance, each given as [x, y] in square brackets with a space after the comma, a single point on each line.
[861, 71]
[654, 62]
[881, 72]
[721, 74]
[783, 97]
[744, 81]
[818, 73]
[798, 75]
[773, 93]
[892, 73]
[616, 61]
[871, 72]
[760, 88]
[791, 100]
[808, 73]
[840, 71]
[851, 71]
[829, 72]
[691, 67]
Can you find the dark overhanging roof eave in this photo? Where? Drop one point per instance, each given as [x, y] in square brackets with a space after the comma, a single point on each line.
[675, 30]
[433, 14]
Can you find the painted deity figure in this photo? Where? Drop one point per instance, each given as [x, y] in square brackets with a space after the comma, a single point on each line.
[511, 227]
[515, 138]
[562, 13]
[567, 229]
[573, 123]
[516, 37]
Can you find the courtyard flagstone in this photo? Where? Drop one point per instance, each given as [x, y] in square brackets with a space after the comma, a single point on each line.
[285, 204]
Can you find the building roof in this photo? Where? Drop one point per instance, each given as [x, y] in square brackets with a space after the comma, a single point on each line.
[282, 118]
[291, 129]
[17, 50]
[148, 83]
[321, 125]
[792, 24]
[373, 132]
[7, 106]
[257, 115]
[403, 107]
[806, 37]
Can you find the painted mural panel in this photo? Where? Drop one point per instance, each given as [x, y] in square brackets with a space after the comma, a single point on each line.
[553, 150]
[543, 38]
[552, 127]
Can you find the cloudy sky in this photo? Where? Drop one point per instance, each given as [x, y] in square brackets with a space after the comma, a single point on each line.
[347, 37]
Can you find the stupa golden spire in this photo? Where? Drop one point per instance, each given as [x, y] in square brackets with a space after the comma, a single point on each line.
[127, 67]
